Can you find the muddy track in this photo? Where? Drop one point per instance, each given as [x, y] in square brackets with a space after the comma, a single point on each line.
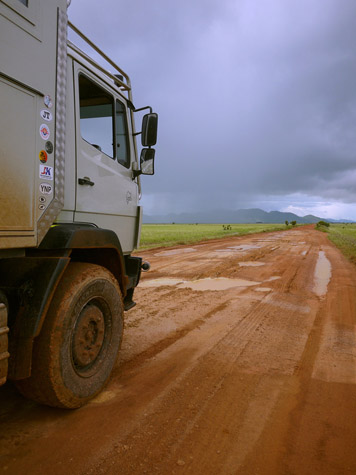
[239, 358]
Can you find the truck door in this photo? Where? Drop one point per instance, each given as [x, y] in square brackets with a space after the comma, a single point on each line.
[106, 194]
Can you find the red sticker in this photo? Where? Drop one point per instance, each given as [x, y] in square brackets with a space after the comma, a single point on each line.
[43, 156]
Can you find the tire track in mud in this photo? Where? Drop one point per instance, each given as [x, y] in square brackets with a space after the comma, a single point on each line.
[211, 371]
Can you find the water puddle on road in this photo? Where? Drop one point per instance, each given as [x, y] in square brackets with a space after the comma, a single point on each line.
[173, 252]
[322, 274]
[160, 282]
[271, 279]
[245, 247]
[263, 289]
[220, 283]
[251, 264]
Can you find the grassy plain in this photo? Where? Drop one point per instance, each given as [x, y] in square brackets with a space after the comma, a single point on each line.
[157, 235]
[344, 237]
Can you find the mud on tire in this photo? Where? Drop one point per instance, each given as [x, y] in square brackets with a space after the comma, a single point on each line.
[78, 345]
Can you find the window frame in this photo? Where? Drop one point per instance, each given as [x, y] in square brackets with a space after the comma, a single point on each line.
[127, 138]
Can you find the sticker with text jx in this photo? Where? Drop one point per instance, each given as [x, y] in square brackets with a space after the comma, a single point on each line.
[46, 172]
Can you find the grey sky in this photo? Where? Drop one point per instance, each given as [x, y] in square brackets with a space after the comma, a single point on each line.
[256, 99]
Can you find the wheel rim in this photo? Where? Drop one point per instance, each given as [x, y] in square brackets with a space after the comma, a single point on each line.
[88, 339]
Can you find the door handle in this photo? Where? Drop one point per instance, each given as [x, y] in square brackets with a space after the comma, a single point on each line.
[85, 181]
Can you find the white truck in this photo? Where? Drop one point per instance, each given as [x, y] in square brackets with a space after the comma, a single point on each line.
[69, 205]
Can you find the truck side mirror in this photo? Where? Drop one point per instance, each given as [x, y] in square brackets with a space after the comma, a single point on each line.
[149, 130]
[147, 161]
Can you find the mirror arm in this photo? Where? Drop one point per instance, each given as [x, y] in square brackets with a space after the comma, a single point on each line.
[136, 173]
[144, 108]
[137, 133]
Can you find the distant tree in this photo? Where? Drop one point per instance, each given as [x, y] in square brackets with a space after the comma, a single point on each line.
[293, 223]
[286, 222]
[322, 223]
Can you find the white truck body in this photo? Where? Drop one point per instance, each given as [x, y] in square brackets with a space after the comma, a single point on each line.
[69, 182]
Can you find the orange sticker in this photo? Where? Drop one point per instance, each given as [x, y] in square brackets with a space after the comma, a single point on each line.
[43, 156]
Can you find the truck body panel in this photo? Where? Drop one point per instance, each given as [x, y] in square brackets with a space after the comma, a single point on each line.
[33, 94]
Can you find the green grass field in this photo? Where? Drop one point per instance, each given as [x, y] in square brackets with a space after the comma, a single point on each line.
[157, 235]
[344, 237]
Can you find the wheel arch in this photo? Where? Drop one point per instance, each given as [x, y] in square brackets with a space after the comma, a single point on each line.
[39, 273]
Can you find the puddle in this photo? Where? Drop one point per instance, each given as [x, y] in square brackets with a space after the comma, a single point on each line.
[173, 252]
[251, 264]
[245, 247]
[159, 282]
[224, 250]
[263, 289]
[322, 274]
[271, 279]
[220, 283]
[304, 253]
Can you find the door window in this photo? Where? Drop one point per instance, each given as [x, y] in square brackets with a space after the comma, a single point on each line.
[96, 116]
[98, 121]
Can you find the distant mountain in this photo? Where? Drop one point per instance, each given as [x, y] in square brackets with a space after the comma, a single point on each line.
[253, 215]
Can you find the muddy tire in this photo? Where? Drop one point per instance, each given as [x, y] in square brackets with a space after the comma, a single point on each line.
[78, 345]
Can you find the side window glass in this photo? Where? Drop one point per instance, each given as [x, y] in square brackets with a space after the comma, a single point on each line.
[25, 2]
[122, 142]
[96, 116]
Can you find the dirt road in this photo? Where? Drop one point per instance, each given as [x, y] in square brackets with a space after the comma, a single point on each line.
[240, 358]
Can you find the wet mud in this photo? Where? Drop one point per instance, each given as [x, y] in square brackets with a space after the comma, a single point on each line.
[239, 358]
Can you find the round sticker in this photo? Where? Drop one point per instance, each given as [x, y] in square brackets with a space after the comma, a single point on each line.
[48, 101]
[44, 132]
[43, 156]
[49, 147]
[46, 188]
[46, 115]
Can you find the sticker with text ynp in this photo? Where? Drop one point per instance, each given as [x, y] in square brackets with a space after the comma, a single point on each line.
[46, 188]
[46, 172]
[44, 132]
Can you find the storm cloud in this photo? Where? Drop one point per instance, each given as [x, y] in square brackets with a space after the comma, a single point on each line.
[256, 99]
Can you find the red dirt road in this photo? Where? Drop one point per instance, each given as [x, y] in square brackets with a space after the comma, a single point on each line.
[240, 358]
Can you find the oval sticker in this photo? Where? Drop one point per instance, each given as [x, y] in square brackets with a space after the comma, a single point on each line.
[43, 156]
[44, 132]
[46, 115]
[46, 188]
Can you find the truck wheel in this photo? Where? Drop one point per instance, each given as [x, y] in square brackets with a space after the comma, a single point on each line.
[78, 345]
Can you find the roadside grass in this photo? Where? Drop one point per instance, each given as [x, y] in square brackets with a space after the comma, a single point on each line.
[163, 235]
[343, 235]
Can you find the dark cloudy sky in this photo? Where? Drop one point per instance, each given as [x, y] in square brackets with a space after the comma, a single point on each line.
[256, 99]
